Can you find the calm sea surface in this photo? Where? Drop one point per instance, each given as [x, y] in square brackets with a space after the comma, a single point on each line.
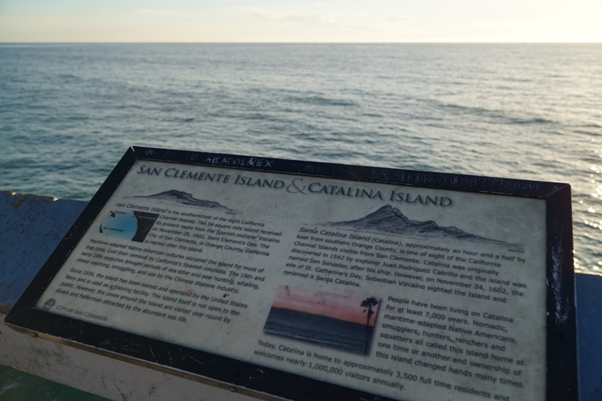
[68, 112]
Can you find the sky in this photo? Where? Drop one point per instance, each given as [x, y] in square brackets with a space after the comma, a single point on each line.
[294, 21]
[337, 306]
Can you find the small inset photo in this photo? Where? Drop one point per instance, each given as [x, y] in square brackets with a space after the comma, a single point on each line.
[130, 225]
[339, 321]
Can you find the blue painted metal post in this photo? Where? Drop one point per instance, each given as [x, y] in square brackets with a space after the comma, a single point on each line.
[30, 228]
[589, 330]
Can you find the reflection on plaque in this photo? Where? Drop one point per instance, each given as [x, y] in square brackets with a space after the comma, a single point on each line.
[293, 279]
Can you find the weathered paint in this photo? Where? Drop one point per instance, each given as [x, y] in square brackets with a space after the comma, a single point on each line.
[30, 228]
[100, 375]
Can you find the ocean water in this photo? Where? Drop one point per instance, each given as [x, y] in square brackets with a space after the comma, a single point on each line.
[531, 111]
[68, 112]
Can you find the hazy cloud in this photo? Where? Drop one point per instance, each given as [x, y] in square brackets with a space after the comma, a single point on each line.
[160, 12]
[328, 18]
[294, 16]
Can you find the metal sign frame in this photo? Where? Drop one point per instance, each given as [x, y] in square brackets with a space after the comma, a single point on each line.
[272, 383]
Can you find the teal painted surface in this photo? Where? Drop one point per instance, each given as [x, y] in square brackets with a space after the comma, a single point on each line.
[30, 228]
[19, 386]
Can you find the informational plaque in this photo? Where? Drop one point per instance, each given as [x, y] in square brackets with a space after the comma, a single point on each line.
[304, 281]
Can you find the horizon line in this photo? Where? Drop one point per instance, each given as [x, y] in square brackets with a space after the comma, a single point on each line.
[303, 43]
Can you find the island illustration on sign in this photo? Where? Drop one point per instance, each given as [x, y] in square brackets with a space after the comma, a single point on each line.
[181, 198]
[342, 321]
[134, 225]
[391, 221]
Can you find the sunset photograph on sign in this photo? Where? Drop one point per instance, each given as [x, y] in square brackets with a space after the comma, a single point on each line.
[334, 320]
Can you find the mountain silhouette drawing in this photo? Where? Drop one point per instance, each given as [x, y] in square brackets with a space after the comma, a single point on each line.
[186, 199]
[390, 221]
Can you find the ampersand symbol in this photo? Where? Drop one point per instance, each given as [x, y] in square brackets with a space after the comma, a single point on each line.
[294, 189]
